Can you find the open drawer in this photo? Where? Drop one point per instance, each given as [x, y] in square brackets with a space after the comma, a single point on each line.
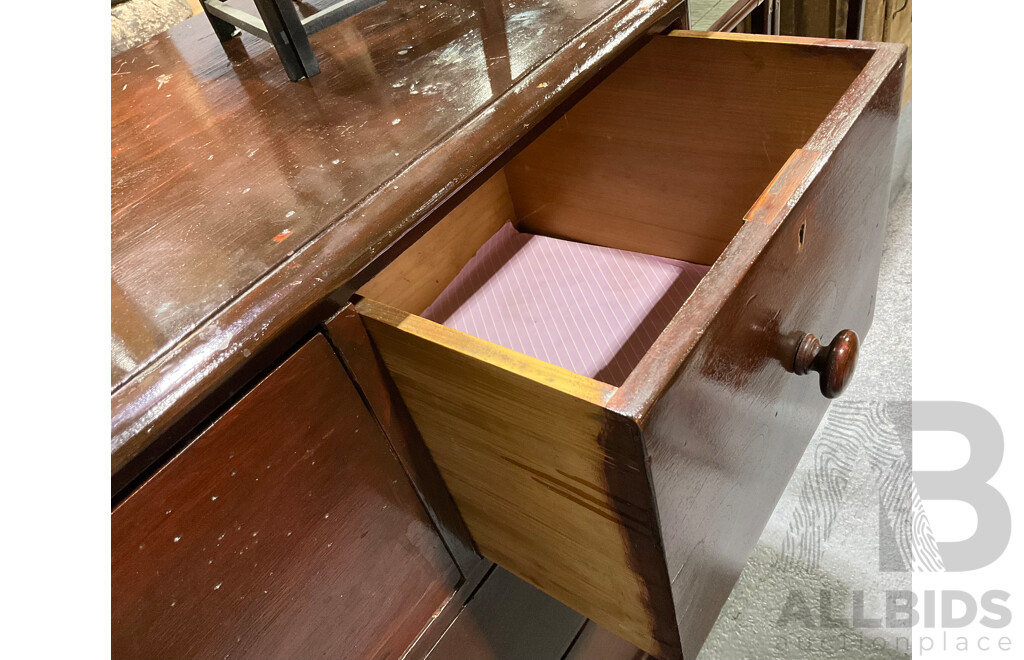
[637, 503]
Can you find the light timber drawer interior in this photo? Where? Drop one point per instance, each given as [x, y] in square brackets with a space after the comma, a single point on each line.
[758, 167]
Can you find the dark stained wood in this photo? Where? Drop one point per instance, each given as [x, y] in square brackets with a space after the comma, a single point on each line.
[778, 197]
[702, 400]
[349, 337]
[221, 167]
[676, 19]
[724, 421]
[835, 363]
[218, 272]
[452, 609]
[507, 619]
[596, 643]
[287, 529]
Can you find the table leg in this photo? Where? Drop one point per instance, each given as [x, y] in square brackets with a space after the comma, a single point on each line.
[289, 38]
[224, 30]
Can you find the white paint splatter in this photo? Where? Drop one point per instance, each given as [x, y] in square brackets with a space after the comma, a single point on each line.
[395, 121]
[289, 214]
[162, 79]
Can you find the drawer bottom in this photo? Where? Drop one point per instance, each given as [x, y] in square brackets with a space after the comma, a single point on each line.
[590, 309]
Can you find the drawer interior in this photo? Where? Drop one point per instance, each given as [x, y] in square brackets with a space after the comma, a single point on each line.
[590, 309]
[664, 159]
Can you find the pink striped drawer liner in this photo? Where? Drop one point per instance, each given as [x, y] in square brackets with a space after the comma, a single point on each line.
[590, 309]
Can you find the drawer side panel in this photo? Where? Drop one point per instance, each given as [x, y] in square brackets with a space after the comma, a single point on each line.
[552, 486]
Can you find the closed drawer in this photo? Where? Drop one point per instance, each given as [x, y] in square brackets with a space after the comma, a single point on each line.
[636, 500]
[286, 530]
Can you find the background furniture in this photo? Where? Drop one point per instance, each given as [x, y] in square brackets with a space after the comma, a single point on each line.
[871, 20]
[280, 23]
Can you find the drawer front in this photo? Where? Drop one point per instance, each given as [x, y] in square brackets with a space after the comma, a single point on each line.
[286, 530]
[725, 436]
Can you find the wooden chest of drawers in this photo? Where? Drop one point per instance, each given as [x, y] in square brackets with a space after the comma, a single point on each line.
[637, 505]
[336, 507]
[287, 529]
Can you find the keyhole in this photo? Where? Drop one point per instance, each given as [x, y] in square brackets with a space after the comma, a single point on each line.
[803, 229]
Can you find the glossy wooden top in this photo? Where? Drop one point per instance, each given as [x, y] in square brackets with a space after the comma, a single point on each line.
[241, 200]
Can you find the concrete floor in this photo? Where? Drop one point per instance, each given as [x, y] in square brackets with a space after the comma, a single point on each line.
[842, 531]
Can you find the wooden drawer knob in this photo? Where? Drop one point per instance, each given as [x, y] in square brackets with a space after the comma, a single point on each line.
[835, 363]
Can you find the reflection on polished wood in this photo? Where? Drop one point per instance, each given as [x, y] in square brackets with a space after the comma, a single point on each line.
[634, 505]
[215, 155]
[241, 201]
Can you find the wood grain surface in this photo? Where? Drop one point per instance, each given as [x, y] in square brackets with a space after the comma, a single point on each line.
[354, 346]
[421, 273]
[667, 154]
[221, 167]
[630, 505]
[208, 253]
[477, 405]
[287, 529]
[724, 422]
[526, 449]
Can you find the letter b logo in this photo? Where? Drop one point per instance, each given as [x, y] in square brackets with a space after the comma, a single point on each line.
[969, 483]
